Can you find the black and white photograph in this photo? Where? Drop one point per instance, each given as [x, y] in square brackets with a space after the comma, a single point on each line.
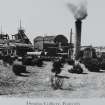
[52, 49]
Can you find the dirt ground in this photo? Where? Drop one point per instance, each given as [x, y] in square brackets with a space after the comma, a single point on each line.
[37, 83]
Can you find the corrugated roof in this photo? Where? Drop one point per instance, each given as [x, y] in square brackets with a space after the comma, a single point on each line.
[49, 37]
[23, 45]
[40, 38]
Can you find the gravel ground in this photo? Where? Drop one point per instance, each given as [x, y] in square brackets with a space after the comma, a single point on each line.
[37, 83]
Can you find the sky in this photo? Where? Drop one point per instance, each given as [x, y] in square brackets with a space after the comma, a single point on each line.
[52, 17]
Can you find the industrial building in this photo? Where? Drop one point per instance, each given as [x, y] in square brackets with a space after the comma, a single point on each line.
[40, 41]
[52, 44]
[17, 46]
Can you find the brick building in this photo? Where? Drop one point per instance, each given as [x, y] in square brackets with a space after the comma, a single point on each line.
[52, 44]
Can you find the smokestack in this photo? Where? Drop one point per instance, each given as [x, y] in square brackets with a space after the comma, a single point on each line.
[80, 13]
[77, 44]
[71, 36]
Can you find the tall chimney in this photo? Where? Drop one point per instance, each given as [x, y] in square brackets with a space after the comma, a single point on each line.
[71, 36]
[77, 44]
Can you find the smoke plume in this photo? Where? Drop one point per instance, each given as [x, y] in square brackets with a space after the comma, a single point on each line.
[79, 11]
